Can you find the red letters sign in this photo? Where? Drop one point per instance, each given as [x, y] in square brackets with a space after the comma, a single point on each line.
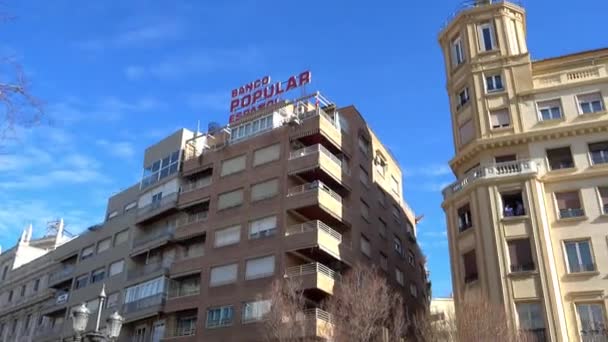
[261, 93]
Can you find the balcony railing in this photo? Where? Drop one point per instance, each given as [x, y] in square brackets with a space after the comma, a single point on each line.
[177, 291]
[61, 273]
[144, 303]
[166, 232]
[179, 332]
[514, 168]
[312, 226]
[564, 77]
[312, 268]
[198, 184]
[193, 218]
[469, 4]
[142, 270]
[523, 267]
[571, 212]
[315, 149]
[579, 268]
[316, 185]
[165, 201]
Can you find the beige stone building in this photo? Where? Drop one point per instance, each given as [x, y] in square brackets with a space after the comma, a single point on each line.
[528, 216]
[302, 190]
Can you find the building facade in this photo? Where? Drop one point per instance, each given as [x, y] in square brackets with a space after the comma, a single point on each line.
[300, 189]
[527, 215]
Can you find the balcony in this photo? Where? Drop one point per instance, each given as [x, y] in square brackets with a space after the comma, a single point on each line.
[316, 324]
[181, 335]
[318, 241]
[524, 168]
[194, 192]
[166, 203]
[61, 274]
[152, 239]
[316, 127]
[191, 225]
[180, 299]
[144, 307]
[570, 76]
[316, 200]
[317, 162]
[314, 276]
[149, 270]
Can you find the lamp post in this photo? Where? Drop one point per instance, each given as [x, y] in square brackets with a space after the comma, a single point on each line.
[80, 318]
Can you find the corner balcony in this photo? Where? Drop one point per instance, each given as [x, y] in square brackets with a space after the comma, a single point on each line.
[166, 204]
[316, 127]
[518, 168]
[195, 192]
[318, 241]
[151, 240]
[317, 201]
[317, 162]
[314, 277]
[144, 307]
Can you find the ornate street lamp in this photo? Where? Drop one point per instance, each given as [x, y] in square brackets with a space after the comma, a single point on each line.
[80, 318]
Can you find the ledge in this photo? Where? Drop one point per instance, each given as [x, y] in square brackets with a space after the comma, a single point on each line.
[582, 274]
[522, 274]
[572, 219]
[509, 219]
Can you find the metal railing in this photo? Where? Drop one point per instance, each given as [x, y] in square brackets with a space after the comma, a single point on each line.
[312, 226]
[318, 148]
[469, 4]
[164, 233]
[198, 184]
[165, 202]
[193, 218]
[312, 268]
[179, 292]
[144, 303]
[311, 314]
[142, 270]
[571, 212]
[62, 272]
[316, 185]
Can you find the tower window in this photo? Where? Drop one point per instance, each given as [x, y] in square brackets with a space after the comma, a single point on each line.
[560, 158]
[590, 103]
[457, 52]
[513, 204]
[494, 83]
[486, 36]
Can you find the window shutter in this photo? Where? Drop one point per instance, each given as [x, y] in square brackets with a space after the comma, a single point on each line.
[230, 199]
[264, 190]
[256, 268]
[266, 154]
[262, 225]
[227, 236]
[223, 274]
[230, 166]
[500, 118]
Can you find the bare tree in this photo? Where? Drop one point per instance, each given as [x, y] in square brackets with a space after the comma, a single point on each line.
[365, 308]
[285, 320]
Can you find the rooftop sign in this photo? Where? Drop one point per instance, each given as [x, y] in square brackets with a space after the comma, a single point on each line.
[261, 93]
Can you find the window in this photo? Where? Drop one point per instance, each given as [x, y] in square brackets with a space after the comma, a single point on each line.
[590, 103]
[259, 267]
[604, 198]
[364, 145]
[512, 204]
[381, 197]
[599, 152]
[365, 211]
[23, 288]
[463, 98]
[505, 159]
[264, 190]
[251, 128]
[4, 272]
[579, 256]
[560, 158]
[380, 165]
[153, 287]
[112, 214]
[26, 326]
[186, 326]
[485, 33]
[364, 176]
[494, 83]
[592, 320]
[157, 199]
[116, 267]
[112, 300]
[121, 237]
[233, 165]
[266, 154]
[382, 228]
[263, 227]
[36, 284]
[219, 317]
[222, 275]
[569, 204]
[87, 252]
[466, 132]
[230, 199]
[366, 248]
[255, 311]
[103, 245]
[130, 206]
[470, 266]
[500, 118]
[397, 246]
[411, 258]
[457, 52]
[530, 317]
[194, 249]
[383, 261]
[399, 276]
[413, 291]
[395, 188]
[160, 169]
[550, 110]
[10, 296]
[520, 255]
[98, 275]
[93, 305]
[227, 236]
[81, 281]
[185, 286]
[464, 218]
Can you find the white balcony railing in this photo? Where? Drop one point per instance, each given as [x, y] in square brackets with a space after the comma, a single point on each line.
[165, 202]
[312, 226]
[316, 185]
[312, 314]
[571, 76]
[514, 168]
[193, 218]
[312, 268]
[198, 184]
[314, 149]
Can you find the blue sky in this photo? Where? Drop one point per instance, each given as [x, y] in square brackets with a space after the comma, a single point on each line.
[116, 76]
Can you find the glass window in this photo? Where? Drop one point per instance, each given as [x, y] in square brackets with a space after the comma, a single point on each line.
[592, 321]
[36, 284]
[604, 197]
[219, 317]
[230, 199]
[266, 154]
[599, 152]
[264, 190]
[259, 267]
[227, 236]
[530, 317]
[470, 266]
[121, 237]
[263, 227]
[112, 214]
[464, 218]
[550, 110]
[93, 305]
[81, 281]
[413, 291]
[255, 311]
[149, 288]
[560, 158]
[466, 132]
[364, 145]
[222, 275]
[104, 244]
[513, 204]
[366, 247]
[505, 158]
[457, 52]
[363, 176]
[87, 252]
[399, 277]
[365, 210]
[579, 256]
[130, 206]
[186, 326]
[116, 267]
[382, 227]
[500, 118]
[486, 36]
[569, 204]
[590, 103]
[520, 255]
[463, 98]
[411, 258]
[397, 246]
[98, 275]
[112, 300]
[494, 83]
[233, 165]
